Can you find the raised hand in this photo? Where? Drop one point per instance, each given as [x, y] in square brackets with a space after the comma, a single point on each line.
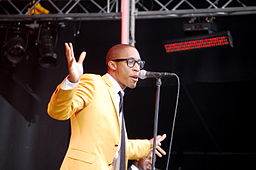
[159, 151]
[75, 69]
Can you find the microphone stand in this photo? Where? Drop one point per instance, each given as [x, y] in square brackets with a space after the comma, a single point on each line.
[157, 99]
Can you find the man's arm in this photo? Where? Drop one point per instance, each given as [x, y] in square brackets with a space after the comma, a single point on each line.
[138, 148]
[63, 102]
[141, 148]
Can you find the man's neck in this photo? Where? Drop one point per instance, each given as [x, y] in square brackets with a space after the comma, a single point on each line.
[114, 82]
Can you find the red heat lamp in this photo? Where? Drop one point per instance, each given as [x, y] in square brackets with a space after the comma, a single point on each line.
[197, 42]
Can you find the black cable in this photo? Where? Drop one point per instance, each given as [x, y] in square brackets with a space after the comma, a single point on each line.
[174, 119]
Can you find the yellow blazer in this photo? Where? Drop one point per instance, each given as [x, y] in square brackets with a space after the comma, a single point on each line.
[95, 128]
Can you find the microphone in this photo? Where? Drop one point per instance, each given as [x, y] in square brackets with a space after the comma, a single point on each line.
[143, 74]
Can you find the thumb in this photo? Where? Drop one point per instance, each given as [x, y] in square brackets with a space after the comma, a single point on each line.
[82, 57]
[161, 138]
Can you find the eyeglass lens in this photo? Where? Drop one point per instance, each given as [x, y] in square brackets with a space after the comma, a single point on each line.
[131, 63]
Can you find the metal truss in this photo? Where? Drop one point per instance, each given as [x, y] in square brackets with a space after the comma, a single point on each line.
[110, 9]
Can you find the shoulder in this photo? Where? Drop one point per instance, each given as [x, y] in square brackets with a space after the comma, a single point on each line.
[90, 76]
[92, 80]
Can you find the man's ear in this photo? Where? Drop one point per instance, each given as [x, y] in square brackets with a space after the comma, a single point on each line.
[112, 65]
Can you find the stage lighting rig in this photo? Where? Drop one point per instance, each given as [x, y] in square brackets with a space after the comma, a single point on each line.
[198, 42]
[202, 34]
[47, 40]
[201, 25]
[15, 44]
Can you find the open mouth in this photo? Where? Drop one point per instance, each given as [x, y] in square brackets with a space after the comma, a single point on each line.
[135, 78]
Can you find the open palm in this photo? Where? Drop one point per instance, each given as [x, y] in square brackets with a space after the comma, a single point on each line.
[75, 68]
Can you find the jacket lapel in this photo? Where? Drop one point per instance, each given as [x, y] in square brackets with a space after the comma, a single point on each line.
[112, 95]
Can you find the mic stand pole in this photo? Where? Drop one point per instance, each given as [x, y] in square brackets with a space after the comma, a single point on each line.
[157, 99]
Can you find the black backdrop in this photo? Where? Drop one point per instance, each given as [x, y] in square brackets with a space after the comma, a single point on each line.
[215, 119]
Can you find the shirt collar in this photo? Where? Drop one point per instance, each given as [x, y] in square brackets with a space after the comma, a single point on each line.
[133, 167]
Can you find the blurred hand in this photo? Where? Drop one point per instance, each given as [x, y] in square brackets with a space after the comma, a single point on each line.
[75, 69]
[159, 151]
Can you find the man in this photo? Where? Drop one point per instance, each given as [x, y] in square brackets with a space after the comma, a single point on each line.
[142, 164]
[91, 102]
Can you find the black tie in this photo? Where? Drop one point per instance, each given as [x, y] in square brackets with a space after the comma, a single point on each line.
[121, 102]
[122, 147]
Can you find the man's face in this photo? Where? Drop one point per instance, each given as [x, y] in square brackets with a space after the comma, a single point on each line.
[127, 76]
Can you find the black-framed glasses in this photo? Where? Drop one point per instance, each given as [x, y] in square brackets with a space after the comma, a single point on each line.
[131, 62]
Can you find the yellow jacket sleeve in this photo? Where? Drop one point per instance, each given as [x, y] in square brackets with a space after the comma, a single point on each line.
[64, 103]
[138, 148]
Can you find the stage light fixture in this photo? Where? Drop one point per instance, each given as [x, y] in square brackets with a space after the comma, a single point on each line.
[197, 42]
[14, 49]
[47, 56]
[198, 25]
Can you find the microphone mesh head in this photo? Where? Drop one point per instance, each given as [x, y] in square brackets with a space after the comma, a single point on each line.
[142, 74]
